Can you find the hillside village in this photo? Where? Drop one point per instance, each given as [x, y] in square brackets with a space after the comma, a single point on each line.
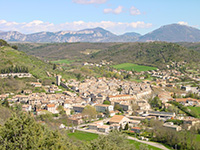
[117, 103]
[141, 104]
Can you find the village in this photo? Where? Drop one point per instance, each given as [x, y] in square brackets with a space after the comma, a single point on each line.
[118, 104]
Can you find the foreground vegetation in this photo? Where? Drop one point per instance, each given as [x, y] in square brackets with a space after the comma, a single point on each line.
[21, 131]
[85, 136]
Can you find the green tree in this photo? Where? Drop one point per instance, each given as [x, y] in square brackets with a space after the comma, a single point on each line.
[54, 66]
[106, 102]
[114, 141]
[61, 110]
[3, 43]
[117, 107]
[156, 102]
[15, 47]
[126, 126]
[119, 90]
[21, 132]
[90, 112]
[107, 113]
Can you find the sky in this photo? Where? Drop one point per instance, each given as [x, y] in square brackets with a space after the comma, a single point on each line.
[117, 16]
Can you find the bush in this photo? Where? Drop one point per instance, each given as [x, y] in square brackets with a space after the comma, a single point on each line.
[106, 102]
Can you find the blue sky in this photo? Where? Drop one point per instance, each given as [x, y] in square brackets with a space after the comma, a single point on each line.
[117, 16]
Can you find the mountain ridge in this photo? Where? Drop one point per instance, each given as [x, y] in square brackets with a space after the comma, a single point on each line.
[168, 33]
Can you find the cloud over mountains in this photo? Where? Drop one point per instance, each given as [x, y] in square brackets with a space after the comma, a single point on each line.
[38, 26]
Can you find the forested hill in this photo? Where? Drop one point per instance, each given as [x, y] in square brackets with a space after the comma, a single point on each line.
[152, 53]
[12, 60]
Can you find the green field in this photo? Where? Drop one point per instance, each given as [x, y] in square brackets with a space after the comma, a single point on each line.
[135, 67]
[85, 136]
[198, 137]
[62, 61]
[195, 109]
[137, 145]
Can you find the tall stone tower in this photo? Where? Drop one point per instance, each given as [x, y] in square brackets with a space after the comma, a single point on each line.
[58, 77]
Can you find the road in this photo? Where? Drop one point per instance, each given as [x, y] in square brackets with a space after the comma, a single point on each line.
[158, 145]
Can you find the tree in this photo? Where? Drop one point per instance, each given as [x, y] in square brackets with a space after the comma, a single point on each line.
[126, 126]
[61, 110]
[54, 66]
[5, 103]
[107, 113]
[3, 43]
[156, 102]
[113, 141]
[117, 107]
[134, 107]
[21, 132]
[15, 47]
[90, 112]
[106, 102]
[119, 90]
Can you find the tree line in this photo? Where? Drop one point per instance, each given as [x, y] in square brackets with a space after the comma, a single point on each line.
[15, 69]
[21, 131]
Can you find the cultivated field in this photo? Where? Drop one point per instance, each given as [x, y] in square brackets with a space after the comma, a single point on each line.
[133, 67]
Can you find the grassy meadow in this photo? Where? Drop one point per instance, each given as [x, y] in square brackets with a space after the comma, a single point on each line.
[62, 61]
[135, 67]
[85, 136]
[195, 109]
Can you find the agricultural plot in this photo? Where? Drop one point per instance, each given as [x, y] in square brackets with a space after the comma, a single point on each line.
[133, 67]
[62, 61]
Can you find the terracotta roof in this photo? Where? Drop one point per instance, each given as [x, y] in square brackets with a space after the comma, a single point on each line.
[116, 118]
[118, 96]
[185, 99]
[137, 128]
[51, 105]
[181, 99]
[104, 126]
[103, 105]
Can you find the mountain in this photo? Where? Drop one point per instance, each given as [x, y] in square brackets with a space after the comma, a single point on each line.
[173, 33]
[12, 36]
[168, 33]
[87, 35]
[127, 37]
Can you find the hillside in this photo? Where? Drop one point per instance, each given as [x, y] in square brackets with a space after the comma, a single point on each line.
[38, 68]
[173, 33]
[10, 57]
[55, 51]
[152, 53]
[191, 46]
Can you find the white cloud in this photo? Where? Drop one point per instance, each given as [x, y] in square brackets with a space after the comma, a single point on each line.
[182, 23]
[134, 11]
[117, 10]
[89, 1]
[38, 26]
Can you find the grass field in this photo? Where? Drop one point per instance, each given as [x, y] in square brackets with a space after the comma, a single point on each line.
[135, 67]
[198, 137]
[195, 109]
[85, 136]
[63, 61]
[137, 145]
